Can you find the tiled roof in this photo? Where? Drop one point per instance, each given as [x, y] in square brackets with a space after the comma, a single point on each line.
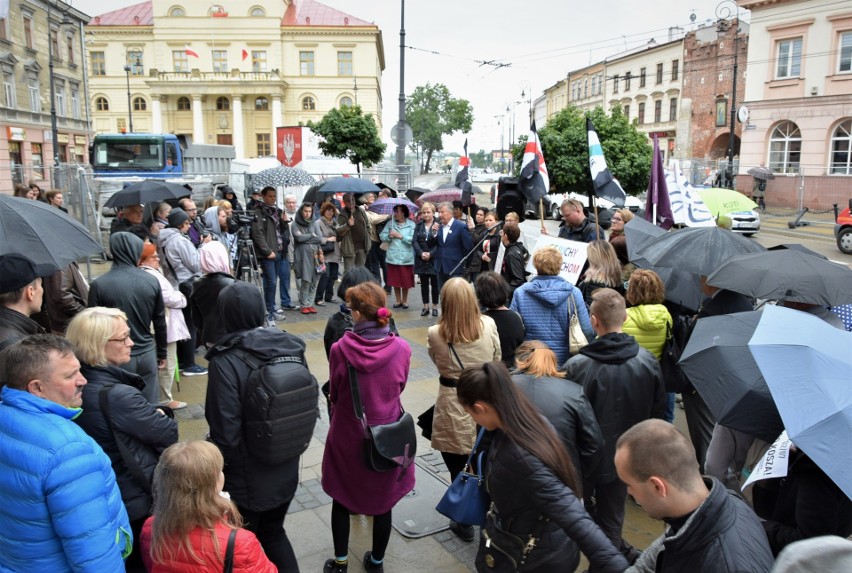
[137, 15]
[311, 13]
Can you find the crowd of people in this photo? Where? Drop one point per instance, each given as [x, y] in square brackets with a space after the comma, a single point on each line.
[564, 379]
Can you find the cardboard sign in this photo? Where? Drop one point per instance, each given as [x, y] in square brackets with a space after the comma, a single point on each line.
[774, 462]
[573, 256]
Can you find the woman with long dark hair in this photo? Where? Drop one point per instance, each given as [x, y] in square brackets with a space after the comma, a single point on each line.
[537, 521]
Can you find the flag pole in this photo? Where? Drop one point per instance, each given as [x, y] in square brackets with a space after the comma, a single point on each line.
[597, 221]
[541, 211]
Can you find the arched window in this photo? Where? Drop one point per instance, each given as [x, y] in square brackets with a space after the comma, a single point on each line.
[261, 104]
[308, 103]
[257, 12]
[101, 104]
[345, 101]
[183, 104]
[223, 103]
[841, 149]
[139, 104]
[785, 148]
[177, 12]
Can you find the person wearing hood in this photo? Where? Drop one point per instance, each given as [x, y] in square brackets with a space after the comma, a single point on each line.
[127, 287]
[382, 361]
[215, 277]
[229, 195]
[624, 385]
[216, 221]
[543, 304]
[261, 491]
[648, 320]
[308, 259]
[179, 258]
[115, 409]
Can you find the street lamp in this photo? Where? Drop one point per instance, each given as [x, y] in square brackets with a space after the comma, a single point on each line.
[723, 12]
[53, 128]
[129, 108]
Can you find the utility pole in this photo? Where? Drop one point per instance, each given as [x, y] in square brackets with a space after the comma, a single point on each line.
[400, 146]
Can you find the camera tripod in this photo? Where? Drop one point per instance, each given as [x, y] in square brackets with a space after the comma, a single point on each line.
[247, 268]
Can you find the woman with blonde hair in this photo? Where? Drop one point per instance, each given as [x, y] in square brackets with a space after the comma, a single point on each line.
[562, 402]
[462, 338]
[193, 519]
[604, 271]
[617, 238]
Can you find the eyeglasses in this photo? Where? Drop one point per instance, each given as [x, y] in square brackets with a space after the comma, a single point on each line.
[121, 340]
[617, 219]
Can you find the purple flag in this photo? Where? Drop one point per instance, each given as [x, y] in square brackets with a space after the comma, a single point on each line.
[658, 207]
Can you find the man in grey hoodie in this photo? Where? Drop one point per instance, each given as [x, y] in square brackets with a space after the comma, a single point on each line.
[138, 294]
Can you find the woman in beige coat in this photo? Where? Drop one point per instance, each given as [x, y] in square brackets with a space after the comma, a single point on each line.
[462, 338]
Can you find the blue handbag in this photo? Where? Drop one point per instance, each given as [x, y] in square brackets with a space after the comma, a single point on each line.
[467, 500]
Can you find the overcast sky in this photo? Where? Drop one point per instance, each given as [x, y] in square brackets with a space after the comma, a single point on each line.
[542, 40]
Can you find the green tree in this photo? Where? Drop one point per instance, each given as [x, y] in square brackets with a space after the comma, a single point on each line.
[564, 141]
[347, 133]
[480, 159]
[432, 113]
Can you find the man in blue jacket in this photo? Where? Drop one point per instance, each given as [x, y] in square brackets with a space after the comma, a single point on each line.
[454, 242]
[60, 506]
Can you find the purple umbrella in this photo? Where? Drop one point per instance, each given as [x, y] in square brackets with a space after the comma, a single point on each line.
[386, 206]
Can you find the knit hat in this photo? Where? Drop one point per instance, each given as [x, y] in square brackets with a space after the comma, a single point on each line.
[177, 218]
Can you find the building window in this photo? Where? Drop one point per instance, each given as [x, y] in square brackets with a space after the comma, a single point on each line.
[98, 60]
[220, 60]
[28, 31]
[61, 109]
[721, 112]
[3, 35]
[675, 69]
[9, 89]
[261, 104]
[135, 61]
[101, 104]
[641, 77]
[306, 63]
[841, 149]
[180, 61]
[17, 160]
[785, 148]
[69, 43]
[345, 101]
[627, 77]
[845, 63]
[641, 114]
[344, 64]
[658, 111]
[257, 12]
[615, 84]
[223, 104]
[258, 60]
[75, 101]
[308, 103]
[139, 104]
[789, 58]
[673, 109]
[183, 104]
[659, 73]
[35, 98]
[37, 159]
[54, 44]
[627, 111]
[177, 12]
[264, 147]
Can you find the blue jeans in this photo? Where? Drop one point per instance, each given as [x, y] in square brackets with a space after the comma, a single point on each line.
[274, 271]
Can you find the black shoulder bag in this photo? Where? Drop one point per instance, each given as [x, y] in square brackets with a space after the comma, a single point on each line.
[129, 461]
[229, 552]
[386, 446]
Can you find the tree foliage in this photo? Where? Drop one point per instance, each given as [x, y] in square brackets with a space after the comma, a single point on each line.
[564, 141]
[347, 133]
[480, 159]
[432, 113]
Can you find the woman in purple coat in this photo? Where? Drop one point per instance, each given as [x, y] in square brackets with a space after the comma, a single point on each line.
[381, 360]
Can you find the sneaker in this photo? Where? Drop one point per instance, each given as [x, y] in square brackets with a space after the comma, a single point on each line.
[279, 315]
[312, 310]
[332, 566]
[332, 300]
[194, 370]
[319, 302]
[464, 532]
[370, 566]
[306, 310]
[289, 307]
[434, 312]
[424, 312]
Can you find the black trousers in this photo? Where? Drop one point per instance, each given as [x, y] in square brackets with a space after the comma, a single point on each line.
[268, 526]
[186, 348]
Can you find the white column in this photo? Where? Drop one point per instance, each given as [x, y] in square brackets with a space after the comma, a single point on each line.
[276, 122]
[239, 135]
[198, 135]
[156, 115]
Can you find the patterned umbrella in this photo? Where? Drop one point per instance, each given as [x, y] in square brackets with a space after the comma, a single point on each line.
[386, 206]
[348, 185]
[443, 195]
[282, 177]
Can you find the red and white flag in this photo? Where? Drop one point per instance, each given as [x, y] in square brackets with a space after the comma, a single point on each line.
[245, 54]
[189, 51]
[534, 181]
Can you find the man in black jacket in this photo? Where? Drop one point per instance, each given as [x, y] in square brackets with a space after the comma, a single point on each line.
[21, 296]
[270, 234]
[624, 385]
[710, 528]
[514, 259]
[575, 226]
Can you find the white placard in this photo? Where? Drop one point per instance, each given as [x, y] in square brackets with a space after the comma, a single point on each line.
[774, 462]
[573, 256]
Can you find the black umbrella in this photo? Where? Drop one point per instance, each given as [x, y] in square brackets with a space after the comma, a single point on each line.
[348, 185]
[796, 247]
[147, 191]
[697, 250]
[389, 189]
[718, 362]
[764, 173]
[43, 233]
[414, 193]
[788, 275]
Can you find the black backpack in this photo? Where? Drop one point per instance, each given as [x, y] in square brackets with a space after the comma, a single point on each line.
[676, 338]
[280, 407]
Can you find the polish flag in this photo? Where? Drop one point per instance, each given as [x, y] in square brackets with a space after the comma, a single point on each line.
[190, 51]
[245, 54]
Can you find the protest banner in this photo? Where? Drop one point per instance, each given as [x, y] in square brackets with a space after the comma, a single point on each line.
[774, 462]
[573, 256]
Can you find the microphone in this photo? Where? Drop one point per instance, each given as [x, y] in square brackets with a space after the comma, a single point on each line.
[495, 226]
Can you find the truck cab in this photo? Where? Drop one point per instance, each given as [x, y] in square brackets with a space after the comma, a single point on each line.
[147, 154]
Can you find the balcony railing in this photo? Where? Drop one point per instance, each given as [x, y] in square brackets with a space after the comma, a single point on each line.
[198, 76]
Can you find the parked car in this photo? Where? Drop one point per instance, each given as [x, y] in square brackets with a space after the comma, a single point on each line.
[843, 230]
[745, 222]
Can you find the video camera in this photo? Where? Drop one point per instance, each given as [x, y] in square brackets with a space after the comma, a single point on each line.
[245, 219]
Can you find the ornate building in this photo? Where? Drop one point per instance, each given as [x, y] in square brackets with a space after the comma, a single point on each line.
[230, 73]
